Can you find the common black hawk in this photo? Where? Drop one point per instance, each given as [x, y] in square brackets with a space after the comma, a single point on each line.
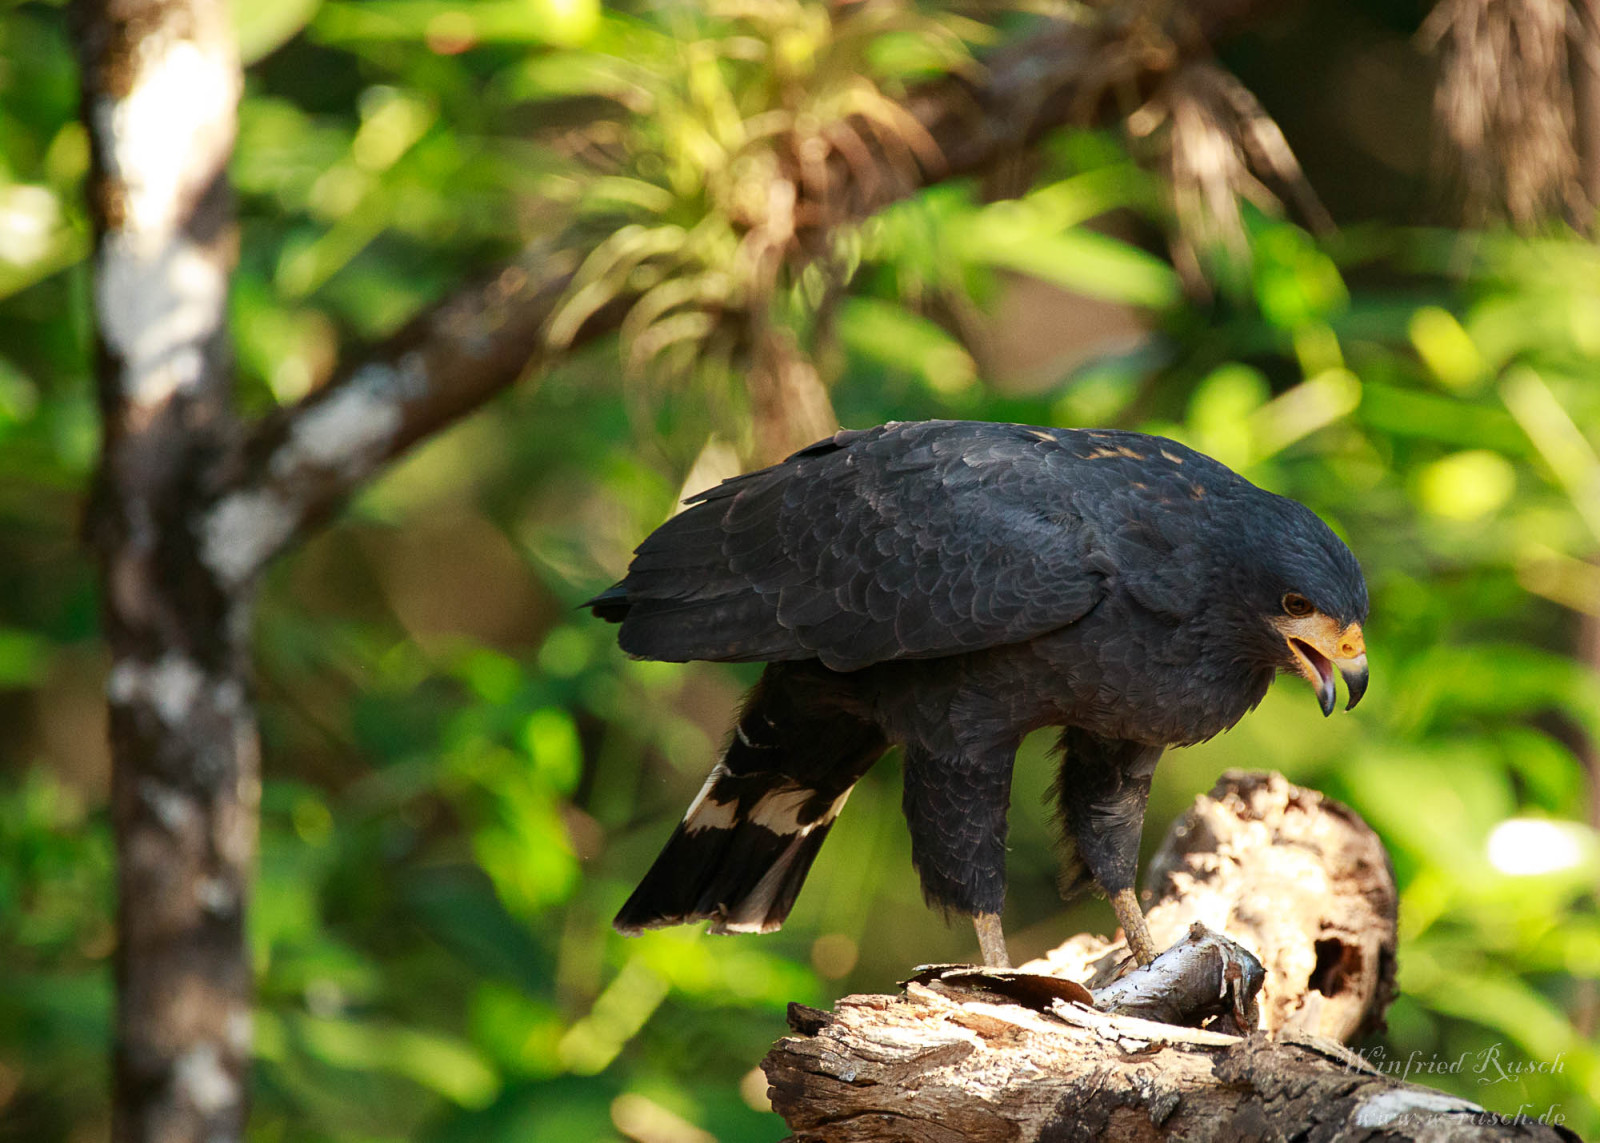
[949, 586]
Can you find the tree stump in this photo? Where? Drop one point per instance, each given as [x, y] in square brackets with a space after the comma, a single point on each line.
[1295, 877]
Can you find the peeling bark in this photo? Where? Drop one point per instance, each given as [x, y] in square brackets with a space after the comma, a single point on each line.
[931, 1068]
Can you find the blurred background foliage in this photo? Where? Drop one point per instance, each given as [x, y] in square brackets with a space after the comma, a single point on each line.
[464, 776]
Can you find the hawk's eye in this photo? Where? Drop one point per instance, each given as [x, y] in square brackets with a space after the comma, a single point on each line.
[1297, 605]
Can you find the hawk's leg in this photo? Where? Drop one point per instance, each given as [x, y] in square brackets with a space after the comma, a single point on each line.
[956, 809]
[1131, 917]
[991, 940]
[1103, 789]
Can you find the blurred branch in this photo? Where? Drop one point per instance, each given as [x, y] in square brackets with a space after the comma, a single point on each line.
[1505, 106]
[295, 468]
[1220, 144]
[161, 81]
[298, 465]
[1584, 60]
[789, 404]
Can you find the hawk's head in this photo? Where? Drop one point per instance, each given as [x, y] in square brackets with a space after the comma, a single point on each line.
[1308, 588]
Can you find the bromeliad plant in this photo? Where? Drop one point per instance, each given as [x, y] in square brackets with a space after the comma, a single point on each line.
[730, 187]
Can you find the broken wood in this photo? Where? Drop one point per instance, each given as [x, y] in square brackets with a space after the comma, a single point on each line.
[1295, 877]
[1298, 879]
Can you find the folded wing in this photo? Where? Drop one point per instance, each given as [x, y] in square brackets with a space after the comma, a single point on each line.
[904, 541]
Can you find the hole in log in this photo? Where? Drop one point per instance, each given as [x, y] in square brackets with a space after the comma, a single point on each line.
[1337, 963]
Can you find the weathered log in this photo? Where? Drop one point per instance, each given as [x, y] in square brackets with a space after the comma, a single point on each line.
[1296, 877]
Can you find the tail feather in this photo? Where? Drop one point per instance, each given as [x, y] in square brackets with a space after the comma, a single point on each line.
[734, 871]
[743, 849]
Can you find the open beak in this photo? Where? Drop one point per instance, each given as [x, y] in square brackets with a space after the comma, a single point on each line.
[1320, 648]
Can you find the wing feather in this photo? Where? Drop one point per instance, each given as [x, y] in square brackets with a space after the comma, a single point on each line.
[904, 541]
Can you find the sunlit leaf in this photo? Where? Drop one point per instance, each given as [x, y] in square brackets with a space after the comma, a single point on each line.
[1446, 347]
[263, 28]
[904, 340]
[446, 1065]
[1466, 485]
[1089, 263]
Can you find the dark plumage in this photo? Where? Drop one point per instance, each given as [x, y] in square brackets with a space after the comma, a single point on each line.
[949, 586]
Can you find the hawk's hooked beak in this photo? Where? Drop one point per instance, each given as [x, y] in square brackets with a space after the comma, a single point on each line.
[1319, 645]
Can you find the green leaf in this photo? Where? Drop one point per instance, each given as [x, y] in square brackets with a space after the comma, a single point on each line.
[24, 657]
[440, 1063]
[1092, 264]
[263, 28]
[895, 336]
